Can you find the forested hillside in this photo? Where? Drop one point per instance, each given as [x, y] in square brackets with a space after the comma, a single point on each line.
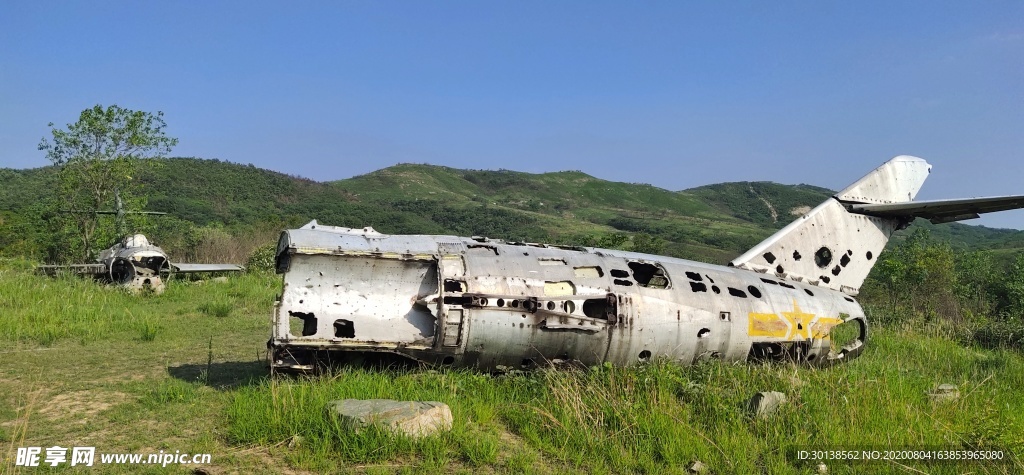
[213, 202]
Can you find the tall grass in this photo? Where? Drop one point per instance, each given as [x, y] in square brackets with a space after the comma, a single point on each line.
[661, 416]
[148, 330]
[653, 418]
[43, 309]
[48, 309]
[218, 308]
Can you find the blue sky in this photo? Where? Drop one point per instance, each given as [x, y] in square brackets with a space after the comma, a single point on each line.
[676, 94]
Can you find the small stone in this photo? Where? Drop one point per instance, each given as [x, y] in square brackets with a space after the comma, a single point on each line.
[698, 467]
[944, 393]
[296, 441]
[766, 403]
[220, 279]
[412, 418]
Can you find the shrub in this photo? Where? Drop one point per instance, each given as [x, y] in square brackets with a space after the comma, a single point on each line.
[1005, 332]
[262, 259]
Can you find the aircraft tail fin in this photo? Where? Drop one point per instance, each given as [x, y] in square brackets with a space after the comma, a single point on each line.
[832, 246]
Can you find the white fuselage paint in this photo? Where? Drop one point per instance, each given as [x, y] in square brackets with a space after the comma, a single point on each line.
[491, 304]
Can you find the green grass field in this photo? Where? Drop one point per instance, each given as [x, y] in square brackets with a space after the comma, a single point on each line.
[89, 365]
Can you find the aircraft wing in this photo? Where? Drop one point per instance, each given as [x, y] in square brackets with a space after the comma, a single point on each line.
[940, 211]
[188, 268]
[74, 268]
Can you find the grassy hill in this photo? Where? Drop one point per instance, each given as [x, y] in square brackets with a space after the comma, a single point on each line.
[711, 223]
[764, 203]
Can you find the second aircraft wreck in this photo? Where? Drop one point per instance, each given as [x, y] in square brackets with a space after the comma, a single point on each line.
[133, 262]
[491, 304]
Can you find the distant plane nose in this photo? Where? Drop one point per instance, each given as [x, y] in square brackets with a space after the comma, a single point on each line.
[137, 240]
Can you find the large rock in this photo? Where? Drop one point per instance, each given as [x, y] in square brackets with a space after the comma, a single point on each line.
[944, 393]
[698, 468]
[412, 418]
[766, 403]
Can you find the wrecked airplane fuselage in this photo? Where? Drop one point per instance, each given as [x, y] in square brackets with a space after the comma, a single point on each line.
[487, 304]
[137, 265]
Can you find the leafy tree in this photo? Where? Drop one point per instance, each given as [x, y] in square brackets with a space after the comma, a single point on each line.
[1014, 287]
[612, 241]
[16, 235]
[605, 241]
[888, 273]
[645, 243]
[976, 281]
[920, 272]
[97, 157]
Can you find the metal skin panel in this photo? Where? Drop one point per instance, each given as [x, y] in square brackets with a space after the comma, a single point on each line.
[315, 238]
[517, 339]
[361, 299]
[895, 181]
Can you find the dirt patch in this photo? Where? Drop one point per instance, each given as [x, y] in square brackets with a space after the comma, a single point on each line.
[134, 376]
[800, 210]
[79, 404]
[262, 457]
[508, 439]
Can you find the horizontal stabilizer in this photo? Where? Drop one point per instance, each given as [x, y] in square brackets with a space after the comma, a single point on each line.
[939, 211]
[186, 268]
